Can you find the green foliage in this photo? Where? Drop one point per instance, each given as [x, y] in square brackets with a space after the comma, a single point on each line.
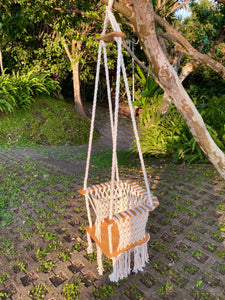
[18, 265]
[213, 114]
[48, 122]
[187, 149]
[203, 94]
[103, 291]
[163, 290]
[160, 133]
[33, 36]
[3, 276]
[133, 292]
[71, 291]
[202, 28]
[64, 254]
[7, 94]
[38, 292]
[169, 134]
[150, 90]
[46, 266]
[18, 91]
[4, 295]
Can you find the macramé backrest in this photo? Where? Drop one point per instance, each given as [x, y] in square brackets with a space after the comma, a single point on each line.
[127, 195]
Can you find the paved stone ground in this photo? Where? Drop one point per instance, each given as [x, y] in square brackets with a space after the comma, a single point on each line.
[187, 246]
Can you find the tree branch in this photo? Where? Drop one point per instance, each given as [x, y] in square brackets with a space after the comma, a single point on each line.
[176, 6]
[218, 40]
[192, 65]
[187, 48]
[42, 32]
[67, 51]
[1, 61]
[162, 44]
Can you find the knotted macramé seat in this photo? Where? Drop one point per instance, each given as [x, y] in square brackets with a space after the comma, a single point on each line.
[125, 232]
[121, 207]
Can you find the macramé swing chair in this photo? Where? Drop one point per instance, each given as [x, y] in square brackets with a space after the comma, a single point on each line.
[121, 206]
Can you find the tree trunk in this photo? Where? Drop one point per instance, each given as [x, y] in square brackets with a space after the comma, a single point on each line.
[143, 20]
[76, 77]
[1, 61]
[76, 89]
[76, 47]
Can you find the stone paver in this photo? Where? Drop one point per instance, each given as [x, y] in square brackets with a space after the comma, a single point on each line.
[186, 249]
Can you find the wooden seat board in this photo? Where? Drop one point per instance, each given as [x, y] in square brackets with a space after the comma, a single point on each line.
[104, 244]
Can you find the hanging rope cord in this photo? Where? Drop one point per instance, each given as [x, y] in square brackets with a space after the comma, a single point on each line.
[102, 45]
[114, 124]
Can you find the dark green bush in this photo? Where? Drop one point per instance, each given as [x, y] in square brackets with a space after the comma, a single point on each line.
[169, 135]
[187, 149]
[160, 133]
[150, 92]
[19, 91]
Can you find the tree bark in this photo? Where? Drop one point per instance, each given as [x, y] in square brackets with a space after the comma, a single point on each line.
[76, 89]
[76, 47]
[76, 77]
[143, 20]
[1, 61]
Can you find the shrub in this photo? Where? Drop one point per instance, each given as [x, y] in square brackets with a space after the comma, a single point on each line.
[160, 134]
[7, 94]
[151, 91]
[169, 134]
[18, 91]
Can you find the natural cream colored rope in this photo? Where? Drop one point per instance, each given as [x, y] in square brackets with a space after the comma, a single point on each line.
[126, 203]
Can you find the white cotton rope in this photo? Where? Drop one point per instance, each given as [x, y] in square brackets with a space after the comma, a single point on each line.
[116, 27]
[99, 260]
[132, 50]
[89, 248]
[133, 228]
[114, 126]
[110, 103]
[92, 131]
[136, 132]
[110, 238]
